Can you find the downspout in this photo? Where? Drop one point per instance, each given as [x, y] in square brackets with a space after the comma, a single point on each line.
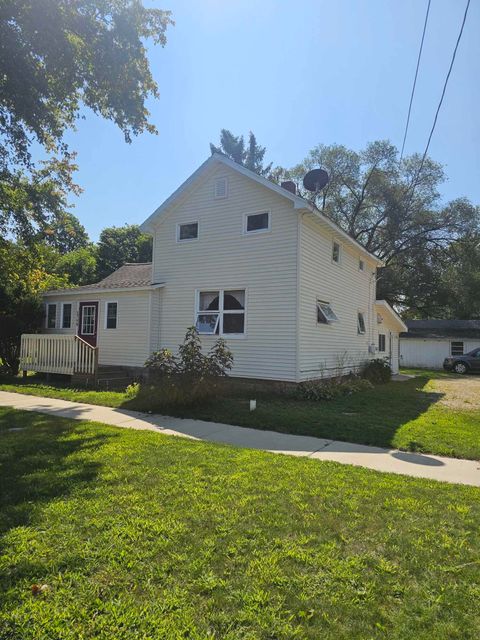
[297, 296]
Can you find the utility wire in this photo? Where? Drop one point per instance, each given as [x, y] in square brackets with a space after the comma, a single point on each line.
[415, 79]
[444, 86]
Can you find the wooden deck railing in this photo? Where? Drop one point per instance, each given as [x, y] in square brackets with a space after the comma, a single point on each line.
[50, 353]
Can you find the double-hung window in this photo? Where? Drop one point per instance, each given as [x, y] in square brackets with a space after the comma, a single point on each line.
[325, 313]
[361, 323]
[66, 315]
[51, 322]
[381, 342]
[111, 315]
[221, 312]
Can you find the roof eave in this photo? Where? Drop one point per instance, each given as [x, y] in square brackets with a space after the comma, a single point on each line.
[96, 290]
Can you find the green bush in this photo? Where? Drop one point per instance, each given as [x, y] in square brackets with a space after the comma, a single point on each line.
[189, 378]
[330, 389]
[376, 371]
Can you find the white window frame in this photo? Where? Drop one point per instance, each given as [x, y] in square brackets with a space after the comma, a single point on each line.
[181, 224]
[215, 194]
[62, 315]
[221, 312]
[51, 304]
[384, 350]
[319, 307]
[95, 323]
[452, 342]
[359, 331]
[107, 302]
[361, 264]
[257, 231]
[339, 261]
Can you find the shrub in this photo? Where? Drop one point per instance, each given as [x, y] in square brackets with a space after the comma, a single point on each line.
[377, 371]
[191, 377]
[132, 390]
[332, 388]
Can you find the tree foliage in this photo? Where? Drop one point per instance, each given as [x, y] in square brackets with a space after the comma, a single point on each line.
[79, 265]
[57, 56]
[249, 155]
[118, 245]
[26, 273]
[394, 209]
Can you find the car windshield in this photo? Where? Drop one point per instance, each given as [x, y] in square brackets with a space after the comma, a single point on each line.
[474, 354]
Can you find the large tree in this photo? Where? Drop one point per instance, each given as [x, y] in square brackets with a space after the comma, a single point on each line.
[394, 209]
[57, 56]
[250, 155]
[118, 245]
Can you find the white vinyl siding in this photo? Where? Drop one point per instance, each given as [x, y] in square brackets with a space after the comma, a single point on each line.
[129, 344]
[429, 353]
[337, 347]
[225, 258]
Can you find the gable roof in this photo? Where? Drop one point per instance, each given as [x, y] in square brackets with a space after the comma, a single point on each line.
[382, 306]
[131, 275]
[299, 203]
[442, 329]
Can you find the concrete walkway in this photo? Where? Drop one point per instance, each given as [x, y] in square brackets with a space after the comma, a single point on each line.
[393, 461]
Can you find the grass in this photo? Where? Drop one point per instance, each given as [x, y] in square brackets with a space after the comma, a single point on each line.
[412, 415]
[141, 536]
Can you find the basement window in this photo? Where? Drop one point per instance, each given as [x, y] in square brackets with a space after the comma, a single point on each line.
[456, 348]
[325, 313]
[361, 323]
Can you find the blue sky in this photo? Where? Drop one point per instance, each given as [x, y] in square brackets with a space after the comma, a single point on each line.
[297, 74]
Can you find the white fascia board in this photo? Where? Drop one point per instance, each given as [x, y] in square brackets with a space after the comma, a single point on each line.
[384, 306]
[94, 291]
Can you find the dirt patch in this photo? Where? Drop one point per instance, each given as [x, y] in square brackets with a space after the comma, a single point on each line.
[458, 393]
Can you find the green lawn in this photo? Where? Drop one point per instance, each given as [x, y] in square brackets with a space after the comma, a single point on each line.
[408, 415]
[142, 536]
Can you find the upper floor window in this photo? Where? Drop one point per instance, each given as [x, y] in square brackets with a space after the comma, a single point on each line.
[66, 315]
[361, 322]
[111, 312]
[325, 313]
[221, 312]
[187, 231]
[456, 348]
[361, 265]
[221, 188]
[381, 342]
[257, 222]
[51, 321]
[336, 252]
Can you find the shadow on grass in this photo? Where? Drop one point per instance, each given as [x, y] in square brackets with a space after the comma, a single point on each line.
[39, 464]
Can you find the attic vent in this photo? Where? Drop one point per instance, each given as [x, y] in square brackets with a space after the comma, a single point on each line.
[221, 188]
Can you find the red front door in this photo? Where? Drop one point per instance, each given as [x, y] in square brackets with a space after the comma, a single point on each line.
[88, 322]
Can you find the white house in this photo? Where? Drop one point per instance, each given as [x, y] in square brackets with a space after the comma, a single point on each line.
[429, 342]
[239, 257]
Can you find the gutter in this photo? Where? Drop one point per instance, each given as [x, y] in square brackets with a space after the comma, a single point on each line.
[97, 290]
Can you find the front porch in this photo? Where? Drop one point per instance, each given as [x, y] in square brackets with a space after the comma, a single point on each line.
[61, 354]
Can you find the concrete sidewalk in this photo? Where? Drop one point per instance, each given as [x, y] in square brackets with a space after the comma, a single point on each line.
[393, 461]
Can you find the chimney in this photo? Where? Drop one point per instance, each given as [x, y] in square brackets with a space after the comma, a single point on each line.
[289, 186]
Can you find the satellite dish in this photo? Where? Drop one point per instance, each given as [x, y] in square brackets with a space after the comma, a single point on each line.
[315, 180]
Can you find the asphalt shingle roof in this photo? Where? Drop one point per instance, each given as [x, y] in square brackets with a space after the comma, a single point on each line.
[442, 329]
[129, 275]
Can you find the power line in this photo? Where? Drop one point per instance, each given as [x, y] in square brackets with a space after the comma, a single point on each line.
[415, 79]
[445, 86]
